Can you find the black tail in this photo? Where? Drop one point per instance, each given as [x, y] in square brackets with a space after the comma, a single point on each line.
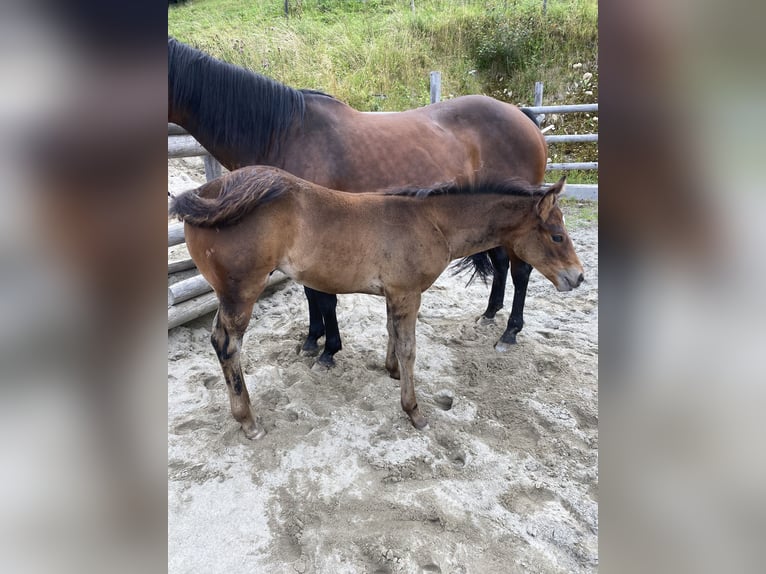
[532, 116]
[479, 264]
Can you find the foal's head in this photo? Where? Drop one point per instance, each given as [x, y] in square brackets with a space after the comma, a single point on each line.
[546, 245]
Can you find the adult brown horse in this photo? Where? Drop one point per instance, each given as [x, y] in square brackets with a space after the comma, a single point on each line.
[242, 226]
[243, 118]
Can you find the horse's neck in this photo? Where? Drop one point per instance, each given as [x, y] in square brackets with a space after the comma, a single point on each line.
[230, 155]
[473, 223]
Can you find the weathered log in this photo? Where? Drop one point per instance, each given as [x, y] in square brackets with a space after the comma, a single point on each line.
[175, 234]
[182, 265]
[176, 130]
[187, 289]
[184, 146]
[191, 309]
[203, 304]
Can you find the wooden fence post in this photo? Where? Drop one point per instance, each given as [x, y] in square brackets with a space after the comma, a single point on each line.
[436, 87]
[539, 99]
[212, 167]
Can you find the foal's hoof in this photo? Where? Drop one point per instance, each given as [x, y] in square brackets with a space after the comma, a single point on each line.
[254, 432]
[418, 421]
[394, 373]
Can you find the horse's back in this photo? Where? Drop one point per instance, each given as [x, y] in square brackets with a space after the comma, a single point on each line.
[510, 143]
[464, 137]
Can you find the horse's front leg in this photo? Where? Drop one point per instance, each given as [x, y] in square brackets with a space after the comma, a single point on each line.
[229, 326]
[404, 312]
[316, 323]
[520, 272]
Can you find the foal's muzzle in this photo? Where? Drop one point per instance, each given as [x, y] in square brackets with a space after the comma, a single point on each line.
[569, 279]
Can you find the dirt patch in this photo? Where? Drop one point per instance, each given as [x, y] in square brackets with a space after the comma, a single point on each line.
[504, 480]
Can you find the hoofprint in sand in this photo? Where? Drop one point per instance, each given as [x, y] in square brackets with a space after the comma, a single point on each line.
[505, 479]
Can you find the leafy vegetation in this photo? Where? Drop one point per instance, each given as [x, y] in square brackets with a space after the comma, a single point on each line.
[376, 55]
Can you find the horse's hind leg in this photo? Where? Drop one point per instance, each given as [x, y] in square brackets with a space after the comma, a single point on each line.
[403, 312]
[500, 262]
[316, 323]
[520, 272]
[332, 343]
[229, 326]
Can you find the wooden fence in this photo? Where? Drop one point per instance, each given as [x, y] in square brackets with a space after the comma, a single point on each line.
[190, 295]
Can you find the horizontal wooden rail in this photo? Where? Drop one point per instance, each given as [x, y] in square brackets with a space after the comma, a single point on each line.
[175, 234]
[176, 130]
[563, 109]
[182, 265]
[192, 309]
[187, 289]
[572, 138]
[184, 146]
[582, 165]
[202, 304]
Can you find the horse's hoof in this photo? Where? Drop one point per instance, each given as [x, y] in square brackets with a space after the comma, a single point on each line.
[309, 349]
[394, 374]
[502, 347]
[326, 361]
[484, 320]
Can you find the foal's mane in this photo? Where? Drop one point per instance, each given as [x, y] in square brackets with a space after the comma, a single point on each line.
[228, 199]
[242, 108]
[514, 187]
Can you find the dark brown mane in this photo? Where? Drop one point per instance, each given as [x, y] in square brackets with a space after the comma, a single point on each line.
[514, 187]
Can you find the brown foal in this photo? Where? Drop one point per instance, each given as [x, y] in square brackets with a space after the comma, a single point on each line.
[244, 225]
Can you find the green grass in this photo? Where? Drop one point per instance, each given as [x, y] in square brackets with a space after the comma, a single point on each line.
[579, 213]
[376, 55]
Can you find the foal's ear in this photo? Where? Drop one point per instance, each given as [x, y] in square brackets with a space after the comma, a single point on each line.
[545, 205]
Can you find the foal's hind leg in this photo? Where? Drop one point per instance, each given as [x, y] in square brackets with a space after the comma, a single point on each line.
[392, 363]
[500, 262]
[520, 272]
[229, 326]
[403, 313]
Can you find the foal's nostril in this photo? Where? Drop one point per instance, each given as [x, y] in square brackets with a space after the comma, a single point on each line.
[580, 279]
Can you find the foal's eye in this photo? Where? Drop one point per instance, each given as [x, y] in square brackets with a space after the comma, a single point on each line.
[557, 238]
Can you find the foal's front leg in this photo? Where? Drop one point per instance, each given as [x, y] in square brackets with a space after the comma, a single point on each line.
[403, 314]
[229, 326]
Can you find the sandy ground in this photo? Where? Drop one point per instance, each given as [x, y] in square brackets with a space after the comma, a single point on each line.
[505, 480]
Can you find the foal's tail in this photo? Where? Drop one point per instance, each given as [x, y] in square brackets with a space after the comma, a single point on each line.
[232, 197]
[478, 264]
